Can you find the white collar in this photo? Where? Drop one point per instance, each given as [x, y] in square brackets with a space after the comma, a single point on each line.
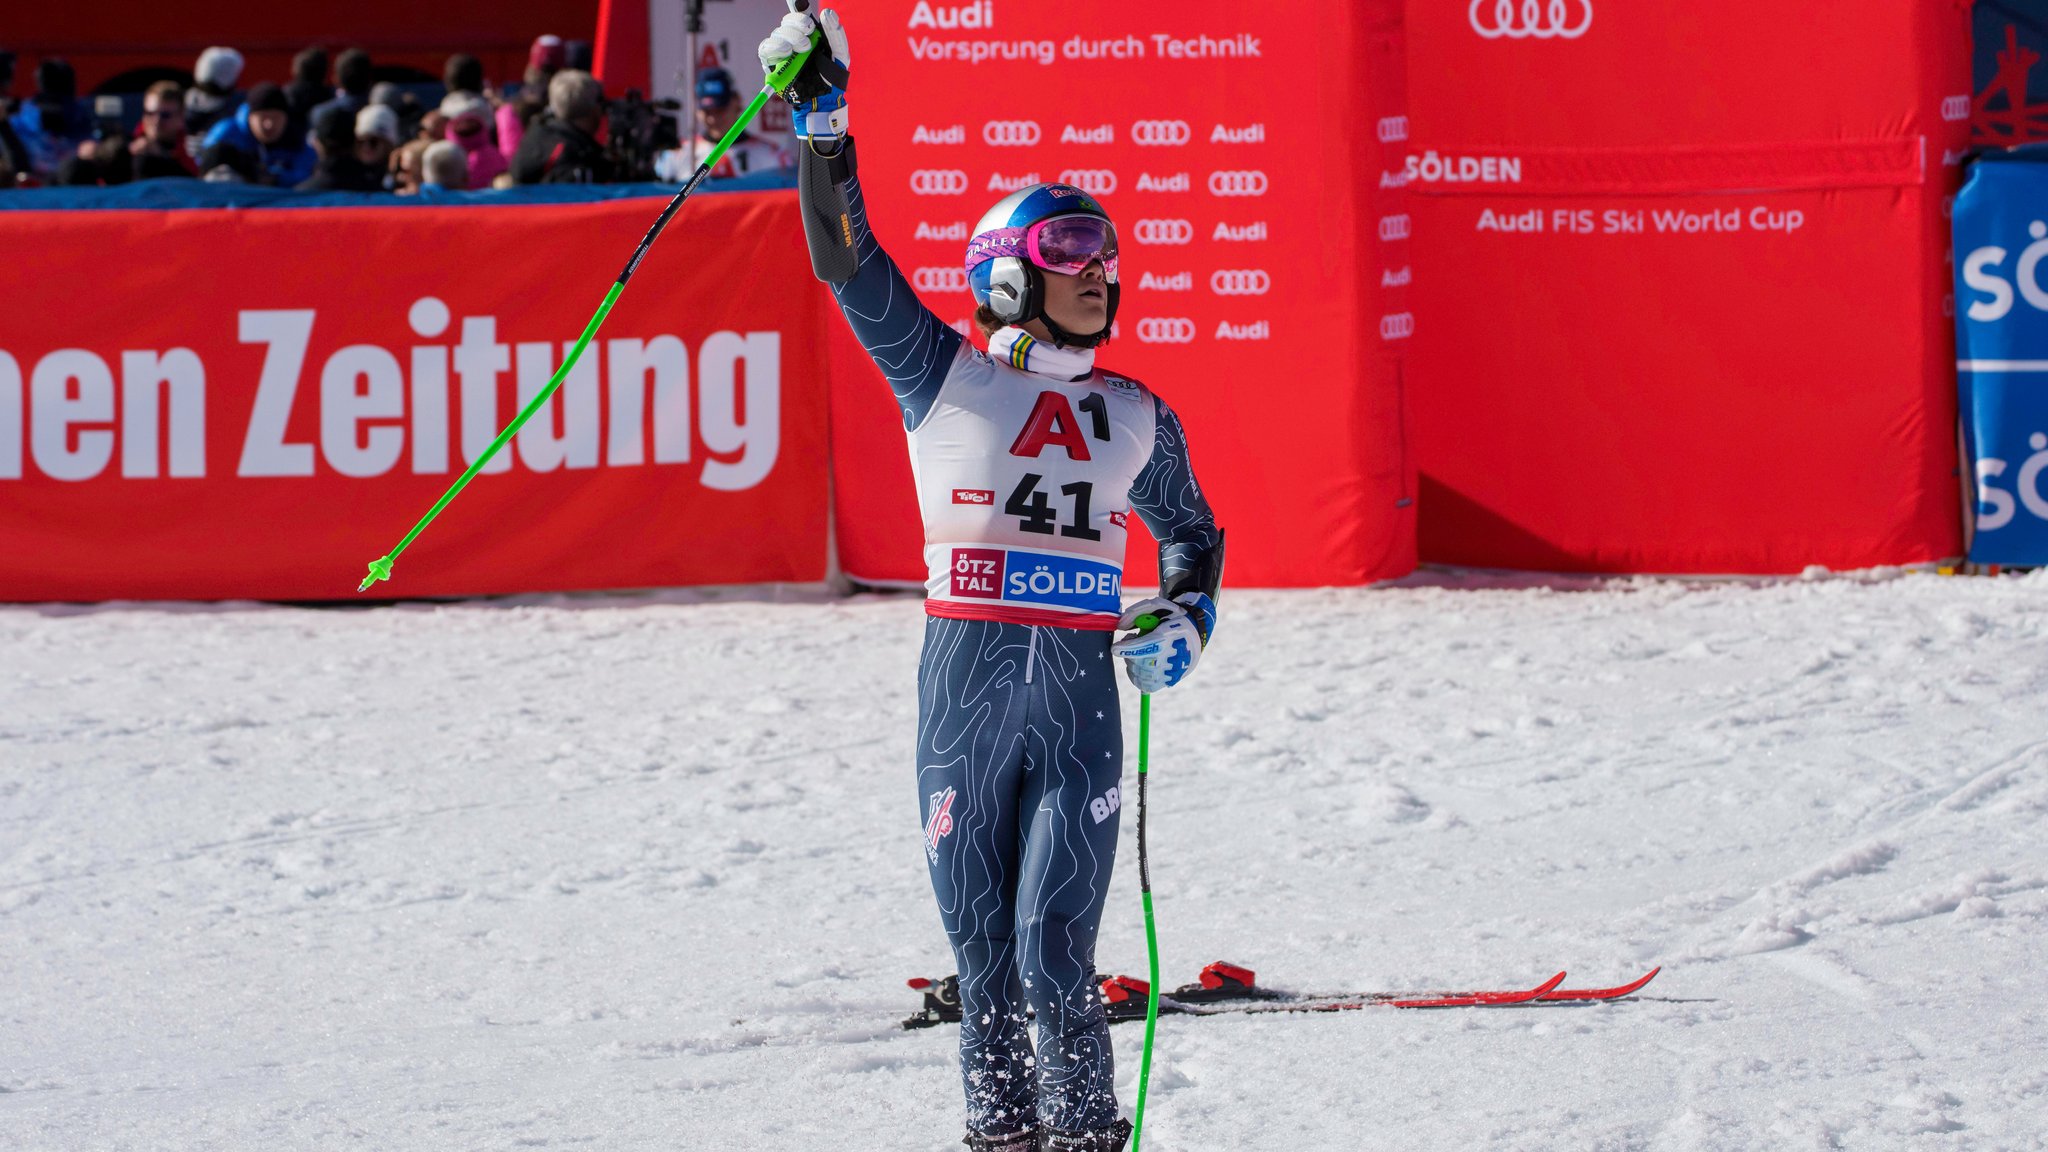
[1020, 349]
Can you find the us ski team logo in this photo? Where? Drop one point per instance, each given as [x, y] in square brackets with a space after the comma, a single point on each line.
[939, 824]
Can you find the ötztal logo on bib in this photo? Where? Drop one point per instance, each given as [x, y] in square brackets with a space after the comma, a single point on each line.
[1011, 133]
[1532, 19]
[1162, 133]
[938, 182]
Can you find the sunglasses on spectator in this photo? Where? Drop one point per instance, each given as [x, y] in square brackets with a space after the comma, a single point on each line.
[160, 113]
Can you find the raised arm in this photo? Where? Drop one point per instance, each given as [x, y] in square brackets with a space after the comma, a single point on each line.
[913, 347]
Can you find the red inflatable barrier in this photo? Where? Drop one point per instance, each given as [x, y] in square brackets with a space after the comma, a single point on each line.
[1681, 272]
[226, 404]
[1241, 151]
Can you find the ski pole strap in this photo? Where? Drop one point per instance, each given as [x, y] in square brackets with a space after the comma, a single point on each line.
[380, 568]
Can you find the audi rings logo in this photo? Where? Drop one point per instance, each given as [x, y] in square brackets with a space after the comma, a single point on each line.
[1010, 133]
[1240, 282]
[1161, 133]
[1399, 326]
[1955, 108]
[1163, 232]
[1166, 330]
[940, 279]
[1393, 129]
[1247, 183]
[1532, 19]
[1394, 227]
[938, 182]
[1094, 181]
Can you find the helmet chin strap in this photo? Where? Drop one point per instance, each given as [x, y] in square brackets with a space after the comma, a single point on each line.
[1061, 338]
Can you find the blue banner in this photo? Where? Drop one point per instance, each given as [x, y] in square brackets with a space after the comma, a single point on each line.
[2001, 243]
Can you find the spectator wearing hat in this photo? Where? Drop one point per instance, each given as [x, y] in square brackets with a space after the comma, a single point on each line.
[254, 145]
[212, 97]
[376, 139]
[718, 109]
[562, 148]
[469, 128]
[53, 123]
[444, 167]
[337, 170]
[543, 60]
[308, 89]
[352, 84]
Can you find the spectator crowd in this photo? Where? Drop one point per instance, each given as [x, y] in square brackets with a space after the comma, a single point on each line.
[333, 128]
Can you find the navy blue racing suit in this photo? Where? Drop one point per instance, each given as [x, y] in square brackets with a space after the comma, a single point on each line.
[1019, 763]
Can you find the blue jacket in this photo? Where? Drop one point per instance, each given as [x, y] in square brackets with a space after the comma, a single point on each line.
[289, 162]
[48, 149]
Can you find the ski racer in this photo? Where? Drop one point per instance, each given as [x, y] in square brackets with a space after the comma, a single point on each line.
[1028, 461]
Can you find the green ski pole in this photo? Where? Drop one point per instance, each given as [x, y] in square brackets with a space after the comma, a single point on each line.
[1145, 624]
[380, 568]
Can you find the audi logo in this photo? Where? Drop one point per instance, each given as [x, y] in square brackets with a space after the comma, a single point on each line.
[1166, 330]
[1010, 133]
[1240, 282]
[940, 279]
[1162, 133]
[1163, 232]
[1248, 183]
[1531, 19]
[1094, 181]
[1393, 129]
[1955, 108]
[1394, 227]
[1399, 326]
[938, 182]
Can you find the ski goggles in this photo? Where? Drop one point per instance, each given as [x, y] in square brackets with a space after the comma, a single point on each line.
[1064, 244]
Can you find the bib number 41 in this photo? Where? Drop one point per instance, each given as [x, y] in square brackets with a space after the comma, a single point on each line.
[1034, 511]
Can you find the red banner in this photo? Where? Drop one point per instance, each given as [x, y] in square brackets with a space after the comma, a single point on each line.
[1240, 149]
[227, 404]
[1682, 282]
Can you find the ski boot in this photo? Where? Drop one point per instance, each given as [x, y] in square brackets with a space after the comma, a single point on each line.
[1110, 1139]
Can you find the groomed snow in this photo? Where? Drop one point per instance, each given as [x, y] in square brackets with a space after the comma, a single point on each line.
[628, 873]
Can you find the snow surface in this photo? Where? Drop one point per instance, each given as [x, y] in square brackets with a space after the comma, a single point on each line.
[645, 872]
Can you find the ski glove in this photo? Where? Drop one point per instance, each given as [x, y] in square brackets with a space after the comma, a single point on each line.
[1164, 656]
[819, 89]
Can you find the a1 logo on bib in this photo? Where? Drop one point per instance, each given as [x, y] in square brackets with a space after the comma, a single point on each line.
[1053, 421]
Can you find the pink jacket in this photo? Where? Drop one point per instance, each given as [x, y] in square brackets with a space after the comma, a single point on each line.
[485, 161]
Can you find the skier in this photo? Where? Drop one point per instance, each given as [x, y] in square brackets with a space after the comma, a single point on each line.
[1028, 460]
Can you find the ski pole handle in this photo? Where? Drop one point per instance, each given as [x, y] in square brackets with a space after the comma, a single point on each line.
[1146, 623]
[787, 70]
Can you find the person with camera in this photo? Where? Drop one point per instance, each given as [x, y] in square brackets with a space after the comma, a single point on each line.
[561, 147]
[718, 107]
[1028, 460]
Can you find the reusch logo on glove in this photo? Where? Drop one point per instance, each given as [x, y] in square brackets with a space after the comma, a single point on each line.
[938, 182]
[1010, 133]
[1161, 133]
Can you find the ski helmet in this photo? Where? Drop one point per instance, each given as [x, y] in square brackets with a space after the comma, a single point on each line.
[1034, 229]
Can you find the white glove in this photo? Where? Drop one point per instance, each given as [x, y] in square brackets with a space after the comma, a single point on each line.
[1165, 655]
[818, 92]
